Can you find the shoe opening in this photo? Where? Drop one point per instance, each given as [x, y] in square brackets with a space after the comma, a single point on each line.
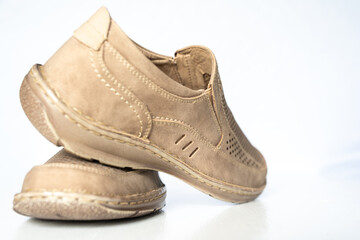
[191, 67]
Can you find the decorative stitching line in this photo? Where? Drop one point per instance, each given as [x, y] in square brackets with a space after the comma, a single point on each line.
[148, 81]
[108, 172]
[152, 85]
[177, 74]
[74, 108]
[120, 86]
[242, 191]
[99, 76]
[210, 107]
[84, 191]
[91, 201]
[229, 127]
[187, 65]
[87, 26]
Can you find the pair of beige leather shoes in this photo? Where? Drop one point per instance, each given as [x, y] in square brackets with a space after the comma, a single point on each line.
[122, 113]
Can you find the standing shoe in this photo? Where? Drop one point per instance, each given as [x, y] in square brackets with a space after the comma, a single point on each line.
[70, 188]
[104, 97]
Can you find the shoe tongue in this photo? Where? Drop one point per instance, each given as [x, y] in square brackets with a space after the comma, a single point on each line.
[195, 66]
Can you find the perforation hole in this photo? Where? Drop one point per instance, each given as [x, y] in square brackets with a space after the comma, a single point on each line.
[193, 152]
[234, 149]
[187, 145]
[180, 138]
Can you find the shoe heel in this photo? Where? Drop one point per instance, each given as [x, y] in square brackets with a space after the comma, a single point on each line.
[35, 111]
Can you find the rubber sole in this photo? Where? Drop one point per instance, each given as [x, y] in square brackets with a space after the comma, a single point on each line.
[63, 126]
[36, 113]
[69, 206]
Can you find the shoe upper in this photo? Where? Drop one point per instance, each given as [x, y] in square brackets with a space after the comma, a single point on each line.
[175, 103]
[65, 172]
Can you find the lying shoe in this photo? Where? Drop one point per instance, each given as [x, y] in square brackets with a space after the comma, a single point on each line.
[70, 188]
[104, 97]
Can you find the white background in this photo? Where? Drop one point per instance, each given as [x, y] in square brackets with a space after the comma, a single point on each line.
[291, 74]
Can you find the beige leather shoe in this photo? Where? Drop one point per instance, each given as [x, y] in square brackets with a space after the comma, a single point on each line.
[70, 188]
[104, 97]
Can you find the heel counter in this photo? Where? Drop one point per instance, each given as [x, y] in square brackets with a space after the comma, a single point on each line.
[78, 77]
[74, 73]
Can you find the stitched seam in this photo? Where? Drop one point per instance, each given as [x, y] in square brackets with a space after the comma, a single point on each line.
[242, 191]
[237, 139]
[117, 55]
[63, 102]
[186, 57]
[74, 108]
[147, 80]
[79, 199]
[215, 107]
[210, 107]
[120, 86]
[86, 27]
[217, 80]
[108, 173]
[84, 191]
[177, 74]
[113, 90]
[86, 42]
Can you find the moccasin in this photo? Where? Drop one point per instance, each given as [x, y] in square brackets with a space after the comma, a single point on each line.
[102, 96]
[70, 188]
